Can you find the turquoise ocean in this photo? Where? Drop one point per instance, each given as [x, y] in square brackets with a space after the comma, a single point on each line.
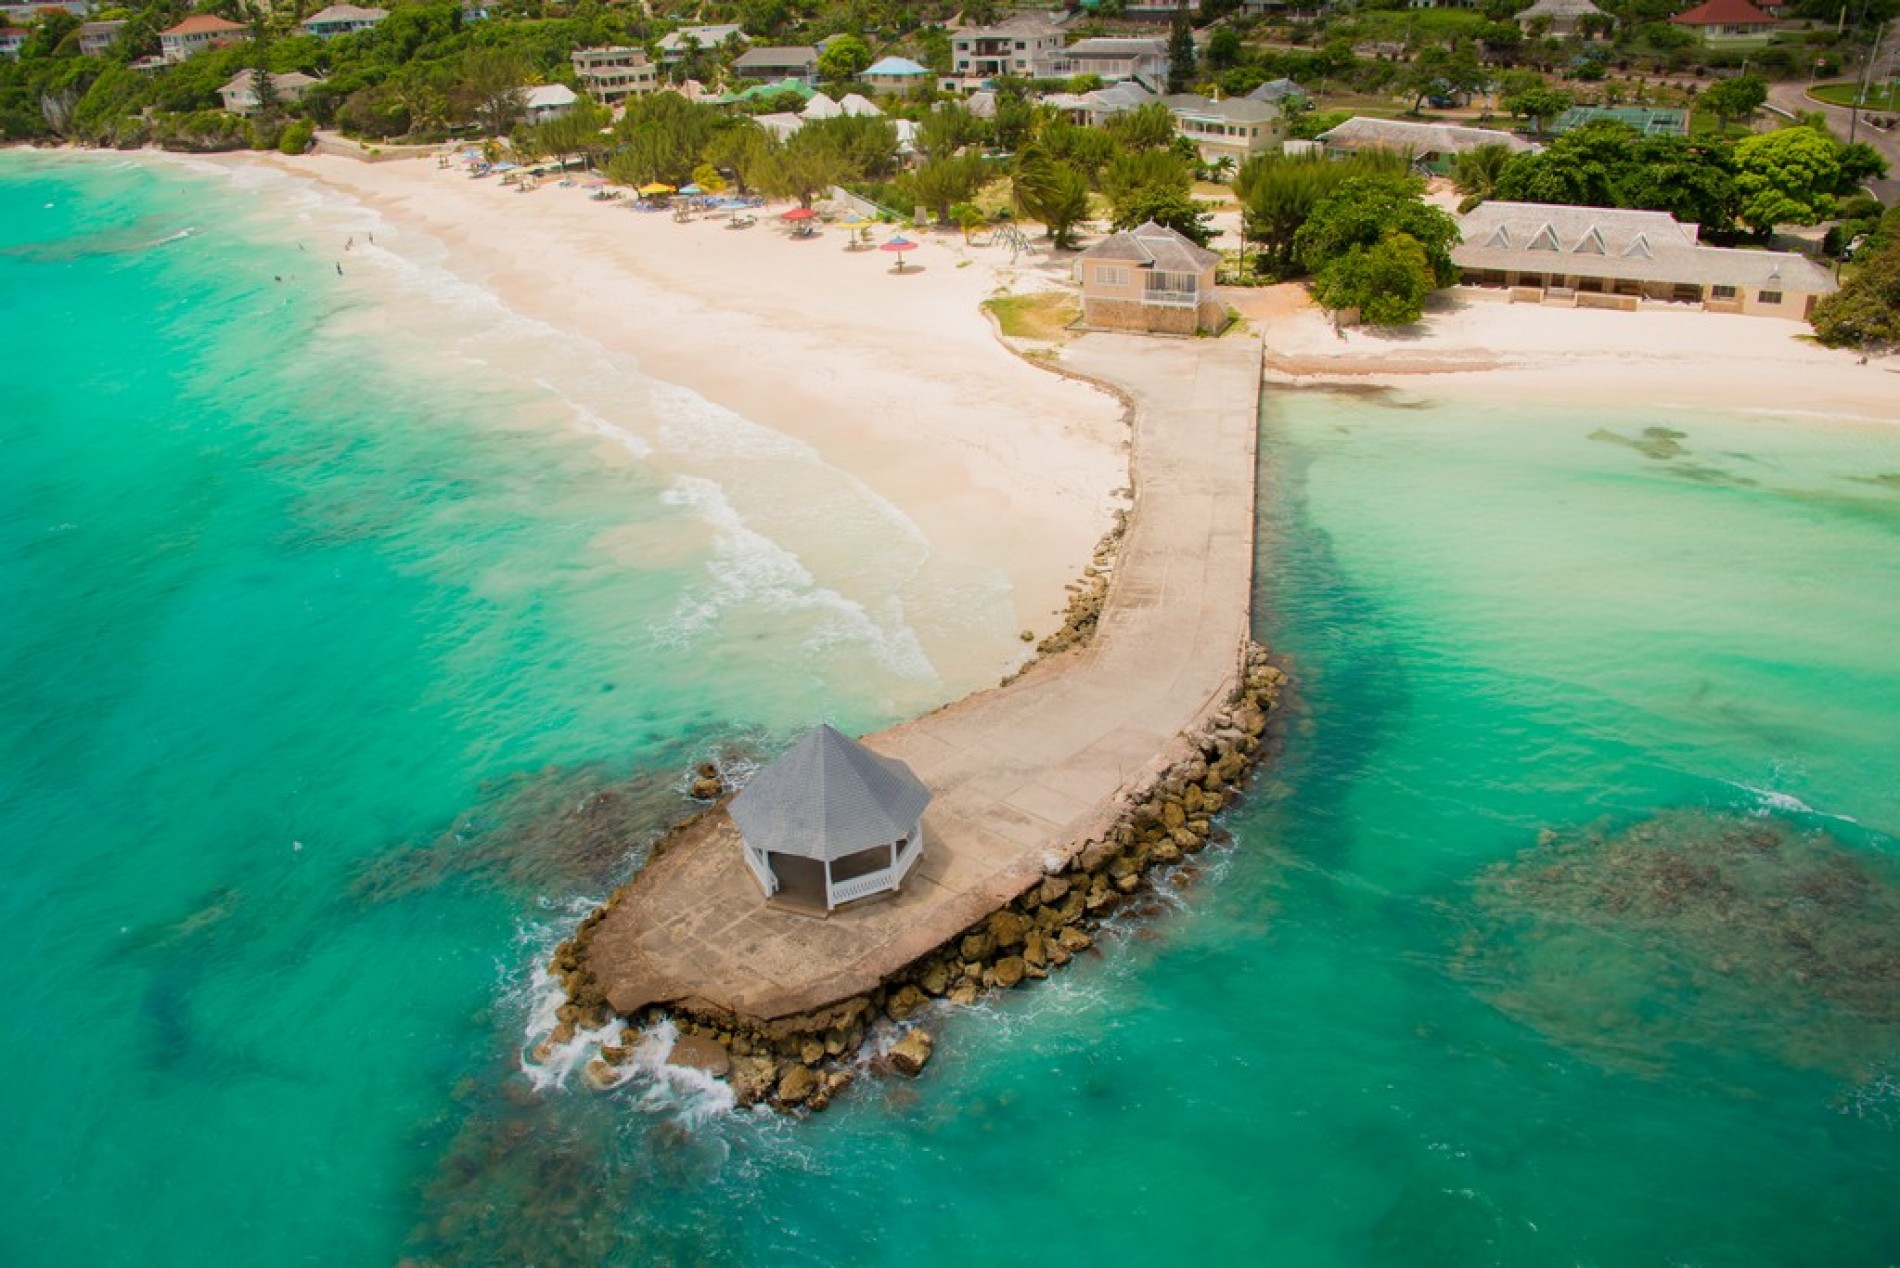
[357, 633]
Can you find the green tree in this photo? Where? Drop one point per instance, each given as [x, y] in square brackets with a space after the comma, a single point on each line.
[845, 57]
[946, 130]
[1181, 67]
[1866, 310]
[1051, 192]
[662, 137]
[1786, 178]
[1732, 99]
[1388, 282]
[1166, 205]
[804, 167]
[1440, 70]
[1147, 127]
[1474, 173]
[1224, 49]
[940, 184]
[492, 80]
[1278, 193]
[740, 149]
[1363, 211]
[1539, 104]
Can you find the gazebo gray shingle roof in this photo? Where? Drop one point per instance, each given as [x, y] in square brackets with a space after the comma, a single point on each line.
[827, 797]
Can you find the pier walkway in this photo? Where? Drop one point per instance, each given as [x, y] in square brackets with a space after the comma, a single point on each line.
[1022, 775]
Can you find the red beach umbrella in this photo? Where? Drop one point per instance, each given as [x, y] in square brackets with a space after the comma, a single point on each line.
[899, 245]
[799, 213]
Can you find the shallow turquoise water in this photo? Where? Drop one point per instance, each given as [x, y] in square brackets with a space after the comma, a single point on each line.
[286, 597]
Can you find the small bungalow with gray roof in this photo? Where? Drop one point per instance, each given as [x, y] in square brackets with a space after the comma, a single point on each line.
[831, 822]
[1601, 257]
[1563, 17]
[775, 62]
[676, 45]
[1150, 279]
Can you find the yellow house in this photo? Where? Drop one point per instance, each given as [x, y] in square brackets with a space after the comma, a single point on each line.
[1151, 279]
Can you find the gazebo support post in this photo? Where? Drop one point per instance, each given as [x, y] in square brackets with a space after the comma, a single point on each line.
[828, 903]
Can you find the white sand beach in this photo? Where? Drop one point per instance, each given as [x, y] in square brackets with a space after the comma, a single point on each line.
[896, 379]
[1479, 345]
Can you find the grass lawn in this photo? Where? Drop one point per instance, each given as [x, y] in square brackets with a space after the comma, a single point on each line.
[1879, 96]
[1044, 315]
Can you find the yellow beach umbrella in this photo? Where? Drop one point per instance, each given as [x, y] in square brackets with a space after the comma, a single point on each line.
[655, 188]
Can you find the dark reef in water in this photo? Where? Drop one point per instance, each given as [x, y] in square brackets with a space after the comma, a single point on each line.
[559, 830]
[1696, 930]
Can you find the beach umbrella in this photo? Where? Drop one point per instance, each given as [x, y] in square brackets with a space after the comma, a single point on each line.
[647, 191]
[691, 189]
[899, 244]
[855, 226]
[800, 213]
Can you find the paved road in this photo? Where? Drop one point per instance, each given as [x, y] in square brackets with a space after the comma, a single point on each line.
[1019, 774]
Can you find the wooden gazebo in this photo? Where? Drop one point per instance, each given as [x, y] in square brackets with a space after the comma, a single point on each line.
[831, 813]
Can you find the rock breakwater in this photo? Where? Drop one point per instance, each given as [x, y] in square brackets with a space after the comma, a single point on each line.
[803, 1062]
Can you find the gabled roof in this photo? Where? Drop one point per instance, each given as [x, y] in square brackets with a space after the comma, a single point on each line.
[547, 96]
[704, 36]
[1642, 246]
[1560, 9]
[202, 24]
[1420, 138]
[1230, 109]
[345, 13]
[1276, 90]
[288, 81]
[1724, 13]
[1153, 246]
[827, 797]
[1116, 46]
[896, 66]
[858, 105]
[778, 55]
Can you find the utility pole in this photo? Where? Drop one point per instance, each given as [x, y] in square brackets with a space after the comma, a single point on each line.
[1866, 70]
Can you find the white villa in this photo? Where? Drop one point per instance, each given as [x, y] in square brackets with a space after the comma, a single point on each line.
[831, 822]
[197, 33]
[1008, 48]
[1144, 60]
[611, 75]
[1599, 257]
[240, 94]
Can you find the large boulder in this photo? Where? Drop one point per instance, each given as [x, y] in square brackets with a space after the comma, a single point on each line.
[905, 1003]
[912, 1053]
[797, 1085]
[752, 1078]
[1009, 970]
[697, 1052]
[1008, 928]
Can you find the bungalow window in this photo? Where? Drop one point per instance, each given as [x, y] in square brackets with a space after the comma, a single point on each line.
[1112, 275]
[1722, 292]
[1769, 297]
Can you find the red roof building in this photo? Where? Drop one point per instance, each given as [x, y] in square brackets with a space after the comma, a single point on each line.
[1719, 18]
[198, 33]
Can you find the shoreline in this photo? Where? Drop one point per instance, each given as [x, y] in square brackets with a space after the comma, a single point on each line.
[899, 382]
[1476, 344]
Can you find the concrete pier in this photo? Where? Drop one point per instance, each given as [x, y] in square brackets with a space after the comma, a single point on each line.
[1022, 775]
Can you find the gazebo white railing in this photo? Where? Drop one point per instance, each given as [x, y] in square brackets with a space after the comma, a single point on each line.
[903, 857]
